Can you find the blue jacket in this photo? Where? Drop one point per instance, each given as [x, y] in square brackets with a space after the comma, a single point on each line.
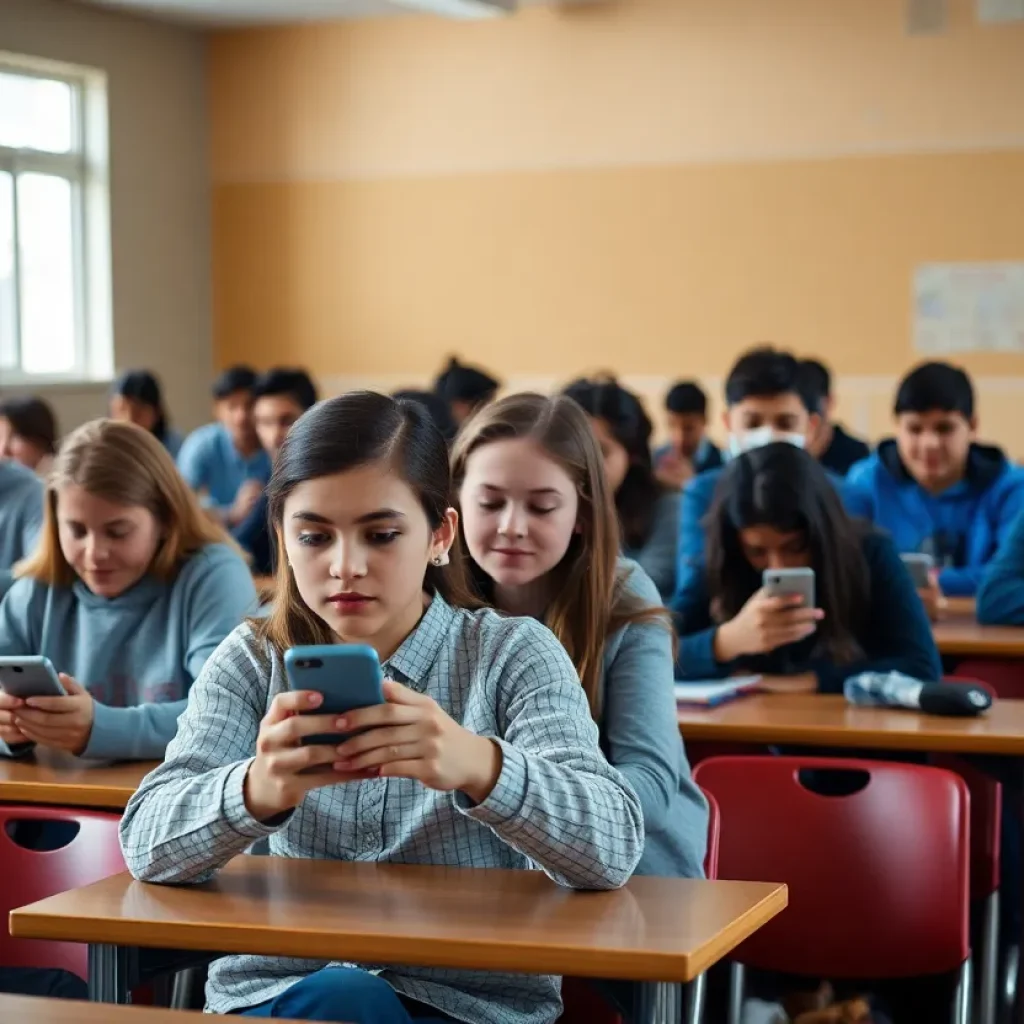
[961, 528]
[896, 636]
[1001, 594]
[698, 495]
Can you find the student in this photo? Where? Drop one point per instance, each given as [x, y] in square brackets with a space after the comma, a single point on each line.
[483, 755]
[831, 445]
[775, 508]
[541, 531]
[128, 592]
[280, 397]
[137, 397]
[224, 459]
[765, 401]
[933, 488]
[49, 983]
[648, 513]
[465, 389]
[21, 515]
[1001, 593]
[689, 450]
[28, 433]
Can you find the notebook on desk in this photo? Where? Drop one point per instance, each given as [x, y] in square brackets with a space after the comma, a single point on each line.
[711, 692]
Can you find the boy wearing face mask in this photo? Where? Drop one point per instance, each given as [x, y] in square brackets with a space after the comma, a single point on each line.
[933, 487]
[765, 402]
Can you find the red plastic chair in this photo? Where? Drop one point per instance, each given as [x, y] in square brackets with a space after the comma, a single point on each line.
[29, 875]
[583, 1004]
[888, 864]
[1004, 677]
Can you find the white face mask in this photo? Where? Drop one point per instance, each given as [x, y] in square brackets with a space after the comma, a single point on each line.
[759, 437]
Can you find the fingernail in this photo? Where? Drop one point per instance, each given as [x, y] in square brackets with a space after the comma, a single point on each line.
[313, 699]
[340, 723]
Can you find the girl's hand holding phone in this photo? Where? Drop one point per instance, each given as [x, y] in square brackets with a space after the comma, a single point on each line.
[64, 723]
[411, 737]
[764, 624]
[9, 731]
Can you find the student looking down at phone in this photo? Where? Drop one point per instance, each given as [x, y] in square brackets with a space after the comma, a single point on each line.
[934, 488]
[540, 526]
[774, 509]
[128, 592]
[484, 754]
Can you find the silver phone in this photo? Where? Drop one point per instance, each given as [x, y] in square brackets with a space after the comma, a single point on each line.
[32, 676]
[920, 566]
[789, 582]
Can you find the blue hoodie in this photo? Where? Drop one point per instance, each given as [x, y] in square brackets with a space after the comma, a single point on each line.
[961, 528]
[21, 514]
[138, 653]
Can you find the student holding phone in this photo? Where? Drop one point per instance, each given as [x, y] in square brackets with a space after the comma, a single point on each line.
[775, 509]
[482, 755]
[128, 592]
[540, 526]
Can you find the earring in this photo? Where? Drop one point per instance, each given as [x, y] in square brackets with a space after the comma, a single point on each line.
[439, 560]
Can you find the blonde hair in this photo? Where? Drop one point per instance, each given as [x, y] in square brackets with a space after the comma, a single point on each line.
[589, 600]
[126, 465]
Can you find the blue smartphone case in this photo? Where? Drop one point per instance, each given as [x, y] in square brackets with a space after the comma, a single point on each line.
[348, 676]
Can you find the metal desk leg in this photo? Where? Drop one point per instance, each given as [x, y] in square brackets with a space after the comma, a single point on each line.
[109, 973]
[657, 1002]
[693, 996]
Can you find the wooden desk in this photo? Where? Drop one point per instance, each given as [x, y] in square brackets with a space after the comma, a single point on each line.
[816, 720]
[57, 779]
[961, 635]
[654, 929]
[19, 1010]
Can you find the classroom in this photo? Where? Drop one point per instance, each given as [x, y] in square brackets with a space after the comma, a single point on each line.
[511, 511]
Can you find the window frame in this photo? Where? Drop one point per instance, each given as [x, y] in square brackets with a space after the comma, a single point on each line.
[85, 166]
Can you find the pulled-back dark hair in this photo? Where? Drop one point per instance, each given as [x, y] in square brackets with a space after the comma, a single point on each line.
[341, 434]
[436, 406]
[32, 419]
[625, 416]
[143, 386]
[460, 383]
[785, 488]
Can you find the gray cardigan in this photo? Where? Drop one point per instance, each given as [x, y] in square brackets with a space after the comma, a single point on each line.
[640, 737]
[657, 557]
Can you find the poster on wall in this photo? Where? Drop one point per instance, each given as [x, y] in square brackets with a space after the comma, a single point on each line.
[969, 307]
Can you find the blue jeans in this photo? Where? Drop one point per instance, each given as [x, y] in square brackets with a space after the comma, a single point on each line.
[345, 994]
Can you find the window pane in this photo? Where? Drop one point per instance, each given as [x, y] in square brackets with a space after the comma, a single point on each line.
[46, 237]
[8, 309]
[36, 113]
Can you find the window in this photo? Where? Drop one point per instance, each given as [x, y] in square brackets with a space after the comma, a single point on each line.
[54, 223]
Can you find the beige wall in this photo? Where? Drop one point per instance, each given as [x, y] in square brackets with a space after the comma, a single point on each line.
[160, 192]
[645, 185]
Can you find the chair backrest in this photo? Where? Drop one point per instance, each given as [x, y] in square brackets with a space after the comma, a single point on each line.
[714, 836]
[33, 874]
[875, 856]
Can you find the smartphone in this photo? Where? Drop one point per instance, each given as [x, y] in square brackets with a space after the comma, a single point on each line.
[348, 676]
[920, 567]
[787, 582]
[32, 676]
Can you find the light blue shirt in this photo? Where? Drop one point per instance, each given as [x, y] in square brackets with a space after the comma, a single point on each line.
[137, 654]
[209, 461]
[21, 515]
[557, 804]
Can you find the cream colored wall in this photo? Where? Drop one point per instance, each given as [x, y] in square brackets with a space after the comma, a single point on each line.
[649, 186]
[160, 192]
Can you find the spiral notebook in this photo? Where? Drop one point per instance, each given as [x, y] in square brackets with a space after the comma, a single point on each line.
[712, 692]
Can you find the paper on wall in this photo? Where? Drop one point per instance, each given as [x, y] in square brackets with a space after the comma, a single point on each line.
[969, 307]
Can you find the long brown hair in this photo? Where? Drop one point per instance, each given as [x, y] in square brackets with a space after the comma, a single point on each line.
[589, 600]
[335, 436]
[126, 465]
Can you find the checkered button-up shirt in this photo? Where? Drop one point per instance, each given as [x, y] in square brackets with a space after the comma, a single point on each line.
[557, 805]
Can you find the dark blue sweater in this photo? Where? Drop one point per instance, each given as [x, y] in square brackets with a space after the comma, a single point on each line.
[896, 635]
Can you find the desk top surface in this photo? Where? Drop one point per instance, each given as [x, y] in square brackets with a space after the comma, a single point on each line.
[71, 782]
[657, 929]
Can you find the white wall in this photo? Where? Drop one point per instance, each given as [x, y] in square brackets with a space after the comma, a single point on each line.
[160, 193]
